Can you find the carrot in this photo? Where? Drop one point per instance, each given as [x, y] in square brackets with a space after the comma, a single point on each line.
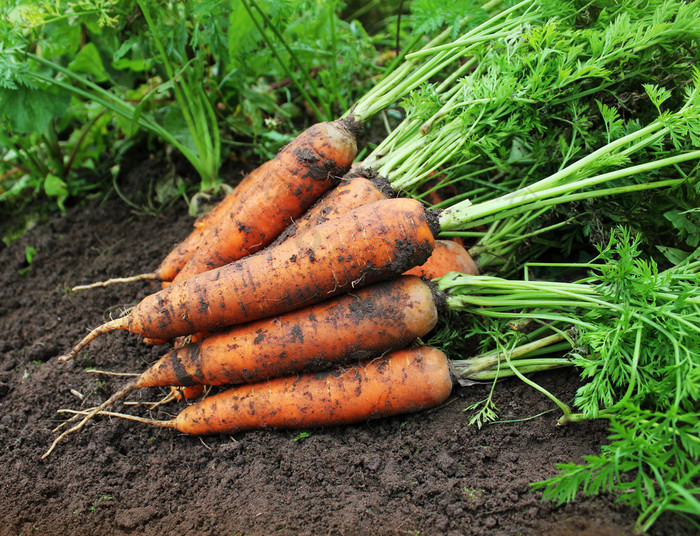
[404, 381]
[448, 256]
[281, 190]
[372, 243]
[357, 190]
[261, 205]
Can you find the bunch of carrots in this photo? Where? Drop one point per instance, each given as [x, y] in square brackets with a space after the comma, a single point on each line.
[274, 317]
[269, 291]
[257, 293]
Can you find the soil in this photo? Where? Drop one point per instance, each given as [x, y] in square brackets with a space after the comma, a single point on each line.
[428, 473]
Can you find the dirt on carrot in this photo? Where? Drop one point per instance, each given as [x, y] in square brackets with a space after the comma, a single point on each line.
[405, 381]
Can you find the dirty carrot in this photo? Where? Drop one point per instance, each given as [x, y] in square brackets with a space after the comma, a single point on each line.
[357, 190]
[372, 243]
[281, 191]
[262, 204]
[404, 381]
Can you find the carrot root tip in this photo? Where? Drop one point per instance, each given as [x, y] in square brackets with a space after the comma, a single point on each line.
[139, 277]
[112, 325]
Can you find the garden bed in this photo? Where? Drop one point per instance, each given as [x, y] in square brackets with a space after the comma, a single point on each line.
[425, 474]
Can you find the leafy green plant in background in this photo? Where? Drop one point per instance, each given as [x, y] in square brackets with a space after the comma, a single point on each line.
[79, 80]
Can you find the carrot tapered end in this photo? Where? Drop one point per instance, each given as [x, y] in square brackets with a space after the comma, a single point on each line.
[139, 277]
[112, 325]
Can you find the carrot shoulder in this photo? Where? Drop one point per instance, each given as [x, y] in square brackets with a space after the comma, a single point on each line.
[448, 256]
[277, 192]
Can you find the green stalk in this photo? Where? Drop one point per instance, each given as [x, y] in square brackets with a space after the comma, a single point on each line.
[524, 366]
[565, 409]
[536, 195]
[408, 77]
[455, 216]
[115, 105]
[195, 108]
[321, 116]
[466, 368]
[591, 194]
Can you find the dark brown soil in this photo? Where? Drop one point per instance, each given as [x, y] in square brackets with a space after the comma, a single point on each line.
[428, 474]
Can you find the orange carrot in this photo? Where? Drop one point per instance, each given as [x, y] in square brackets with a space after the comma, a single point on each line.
[280, 191]
[405, 381]
[372, 243]
[262, 204]
[390, 315]
[448, 256]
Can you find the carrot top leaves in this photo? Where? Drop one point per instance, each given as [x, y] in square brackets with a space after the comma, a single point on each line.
[633, 331]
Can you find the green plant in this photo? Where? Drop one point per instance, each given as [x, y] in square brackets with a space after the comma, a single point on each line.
[633, 331]
[180, 71]
[301, 436]
[29, 254]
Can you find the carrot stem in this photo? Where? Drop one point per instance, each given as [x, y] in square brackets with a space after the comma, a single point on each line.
[112, 325]
[139, 277]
